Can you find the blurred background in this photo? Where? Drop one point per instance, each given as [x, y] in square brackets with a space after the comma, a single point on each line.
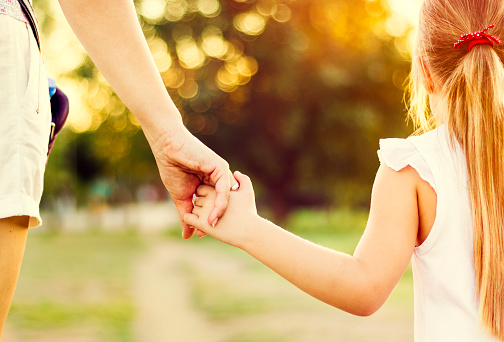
[294, 93]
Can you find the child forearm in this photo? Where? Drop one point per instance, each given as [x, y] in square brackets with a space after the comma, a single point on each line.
[358, 284]
[335, 278]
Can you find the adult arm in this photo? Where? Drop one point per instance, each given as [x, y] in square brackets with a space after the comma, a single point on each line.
[111, 34]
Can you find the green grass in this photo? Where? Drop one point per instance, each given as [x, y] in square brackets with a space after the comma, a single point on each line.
[82, 282]
[220, 303]
[257, 336]
[111, 319]
[79, 281]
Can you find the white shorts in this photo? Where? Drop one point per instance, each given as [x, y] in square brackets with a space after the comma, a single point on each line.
[25, 121]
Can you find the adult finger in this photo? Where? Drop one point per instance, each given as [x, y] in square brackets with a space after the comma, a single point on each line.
[222, 188]
[197, 202]
[183, 208]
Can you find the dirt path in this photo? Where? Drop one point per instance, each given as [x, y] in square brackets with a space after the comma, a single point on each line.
[163, 299]
[163, 295]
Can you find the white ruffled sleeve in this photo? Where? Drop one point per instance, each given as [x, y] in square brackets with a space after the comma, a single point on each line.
[399, 153]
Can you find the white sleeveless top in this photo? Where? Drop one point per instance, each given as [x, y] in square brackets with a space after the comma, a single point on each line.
[446, 307]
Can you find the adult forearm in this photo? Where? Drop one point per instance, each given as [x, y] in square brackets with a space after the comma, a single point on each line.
[111, 34]
[330, 276]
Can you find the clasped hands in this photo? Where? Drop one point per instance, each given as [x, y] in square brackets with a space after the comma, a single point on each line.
[184, 164]
[237, 222]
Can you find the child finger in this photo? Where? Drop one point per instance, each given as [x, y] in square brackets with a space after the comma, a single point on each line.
[203, 190]
[192, 220]
[200, 233]
[244, 180]
[198, 202]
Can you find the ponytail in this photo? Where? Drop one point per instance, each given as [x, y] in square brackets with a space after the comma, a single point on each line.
[472, 93]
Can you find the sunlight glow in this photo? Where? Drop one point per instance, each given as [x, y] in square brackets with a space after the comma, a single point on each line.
[404, 17]
[406, 9]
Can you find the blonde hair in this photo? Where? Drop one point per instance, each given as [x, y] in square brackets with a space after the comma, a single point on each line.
[471, 85]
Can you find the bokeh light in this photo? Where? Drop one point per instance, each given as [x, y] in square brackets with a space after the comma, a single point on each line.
[159, 50]
[251, 23]
[214, 44]
[175, 10]
[174, 78]
[188, 89]
[209, 8]
[282, 13]
[266, 7]
[152, 10]
[189, 53]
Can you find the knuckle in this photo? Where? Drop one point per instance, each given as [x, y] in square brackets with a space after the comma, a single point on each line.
[225, 164]
[202, 190]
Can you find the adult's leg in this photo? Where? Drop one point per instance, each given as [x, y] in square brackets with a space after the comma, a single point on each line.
[13, 233]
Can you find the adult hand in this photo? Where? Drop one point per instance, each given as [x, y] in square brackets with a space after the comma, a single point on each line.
[111, 34]
[184, 163]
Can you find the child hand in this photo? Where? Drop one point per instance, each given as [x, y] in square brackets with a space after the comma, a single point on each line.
[236, 224]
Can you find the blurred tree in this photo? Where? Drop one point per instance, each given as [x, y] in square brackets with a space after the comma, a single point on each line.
[300, 97]
[294, 93]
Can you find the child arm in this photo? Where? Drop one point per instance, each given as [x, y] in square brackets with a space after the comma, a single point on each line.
[358, 284]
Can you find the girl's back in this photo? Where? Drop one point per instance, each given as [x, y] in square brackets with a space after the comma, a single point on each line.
[446, 307]
[458, 79]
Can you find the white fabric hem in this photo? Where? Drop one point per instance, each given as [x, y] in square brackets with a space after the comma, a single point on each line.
[21, 205]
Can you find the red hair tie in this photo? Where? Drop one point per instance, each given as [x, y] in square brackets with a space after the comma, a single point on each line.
[475, 38]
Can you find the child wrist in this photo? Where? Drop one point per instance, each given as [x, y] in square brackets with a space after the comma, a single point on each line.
[254, 233]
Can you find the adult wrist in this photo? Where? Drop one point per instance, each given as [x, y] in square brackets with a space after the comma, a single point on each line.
[163, 131]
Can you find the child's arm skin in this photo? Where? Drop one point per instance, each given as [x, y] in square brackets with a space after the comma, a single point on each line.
[358, 284]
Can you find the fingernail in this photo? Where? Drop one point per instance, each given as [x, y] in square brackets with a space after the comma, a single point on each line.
[215, 222]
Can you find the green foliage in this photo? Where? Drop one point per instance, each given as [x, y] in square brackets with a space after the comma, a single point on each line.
[296, 94]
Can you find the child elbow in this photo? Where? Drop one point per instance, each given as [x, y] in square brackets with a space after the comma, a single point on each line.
[367, 309]
[367, 304]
